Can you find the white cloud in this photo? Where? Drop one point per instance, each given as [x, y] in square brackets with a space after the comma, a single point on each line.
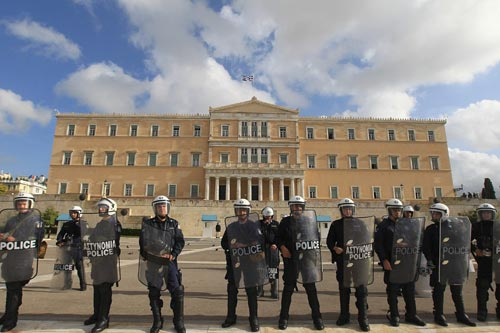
[470, 168]
[16, 114]
[44, 40]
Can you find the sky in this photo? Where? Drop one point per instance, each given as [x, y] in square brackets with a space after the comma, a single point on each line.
[386, 58]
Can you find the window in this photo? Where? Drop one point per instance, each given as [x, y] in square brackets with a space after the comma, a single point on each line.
[263, 129]
[376, 192]
[263, 155]
[195, 190]
[225, 130]
[244, 128]
[353, 161]
[172, 190]
[62, 188]
[71, 130]
[110, 156]
[133, 130]
[434, 163]
[374, 162]
[84, 188]
[411, 135]
[332, 161]
[430, 135]
[355, 192]
[112, 130]
[438, 192]
[92, 130]
[128, 190]
[244, 155]
[87, 160]
[391, 135]
[311, 161]
[371, 134]
[224, 157]
[255, 130]
[195, 159]
[351, 134]
[418, 192]
[152, 159]
[334, 192]
[154, 130]
[330, 134]
[197, 130]
[176, 130]
[174, 159]
[254, 157]
[312, 192]
[283, 159]
[150, 190]
[67, 158]
[394, 163]
[310, 133]
[282, 132]
[106, 189]
[414, 162]
[398, 192]
[130, 158]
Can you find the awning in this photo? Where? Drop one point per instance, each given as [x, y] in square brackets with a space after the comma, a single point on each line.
[323, 218]
[208, 218]
[63, 217]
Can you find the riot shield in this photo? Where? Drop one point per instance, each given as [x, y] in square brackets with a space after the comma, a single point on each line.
[100, 250]
[496, 250]
[272, 262]
[157, 244]
[246, 246]
[20, 235]
[307, 242]
[454, 249]
[358, 251]
[406, 250]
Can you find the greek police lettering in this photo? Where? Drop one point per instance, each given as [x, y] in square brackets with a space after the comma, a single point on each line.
[64, 267]
[99, 249]
[307, 245]
[272, 272]
[246, 251]
[359, 252]
[405, 251]
[497, 249]
[455, 250]
[18, 245]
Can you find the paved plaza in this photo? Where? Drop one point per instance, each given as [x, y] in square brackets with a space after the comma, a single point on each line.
[203, 267]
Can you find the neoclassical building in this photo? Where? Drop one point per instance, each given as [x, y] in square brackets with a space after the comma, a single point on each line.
[253, 150]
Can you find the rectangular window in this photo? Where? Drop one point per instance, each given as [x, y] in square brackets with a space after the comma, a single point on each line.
[244, 155]
[106, 189]
[224, 157]
[434, 163]
[88, 158]
[244, 128]
[351, 134]
[254, 157]
[174, 159]
[172, 190]
[263, 155]
[92, 130]
[197, 130]
[282, 132]
[418, 193]
[394, 163]
[332, 161]
[330, 133]
[376, 192]
[371, 134]
[133, 130]
[414, 162]
[152, 159]
[353, 161]
[310, 133]
[112, 130]
[176, 130]
[67, 158]
[438, 192]
[195, 190]
[398, 192]
[430, 135]
[225, 130]
[110, 156]
[411, 135]
[154, 130]
[84, 188]
[311, 161]
[150, 190]
[312, 192]
[355, 192]
[391, 135]
[128, 190]
[334, 192]
[263, 129]
[62, 188]
[374, 162]
[195, 159]
[255, 130]
[283, 159]
[130, 158]
[71, 130]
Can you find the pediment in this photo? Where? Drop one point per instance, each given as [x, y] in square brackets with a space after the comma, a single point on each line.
[253, 106]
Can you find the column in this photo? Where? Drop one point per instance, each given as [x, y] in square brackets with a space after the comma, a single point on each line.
[238, 188]
[292, 187]
[301, 180]
[271, 189]
[228, 188]
[249, 188]
[260, 189]
[282, 189]
[207, 188]
[216, 190]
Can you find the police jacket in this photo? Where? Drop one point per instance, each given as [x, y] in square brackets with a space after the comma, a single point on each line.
[286, 234]
[270, 232]
[384, 239]
[335, 238]
[172, 226]
[482, 238]
[430, 246]
[70, 233]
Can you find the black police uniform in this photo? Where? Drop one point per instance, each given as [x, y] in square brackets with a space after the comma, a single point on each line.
[17, 263]
[285, 238]
[71, 235]
[335, 238]
[482, 232]
[247, 233]
[430, 248]
[270, 232]
[384, 237]
[173, 277]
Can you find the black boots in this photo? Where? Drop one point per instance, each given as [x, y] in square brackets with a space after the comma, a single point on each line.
[312, 298]
[411, 309]
[178, 309]
[103, 307]
[438, 299]
[286, 300]
[393, 314]
[456, 295]
[344, 317]
[156, 305]
[362, 306]
[232, 301]
[13, 302]
[252, 308]
[482, 299]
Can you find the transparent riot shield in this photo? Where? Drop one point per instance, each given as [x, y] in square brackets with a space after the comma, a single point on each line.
[358, 251]
[157, 243]
[246, 246]
[20, 235]
[307, 242]
[454, 249]
[272, 262]
[496, 251]
[101, 260]
[406, 250]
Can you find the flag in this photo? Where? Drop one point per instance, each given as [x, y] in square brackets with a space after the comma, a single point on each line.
[247, 77]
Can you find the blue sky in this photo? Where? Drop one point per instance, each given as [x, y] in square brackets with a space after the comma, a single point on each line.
[419, 59]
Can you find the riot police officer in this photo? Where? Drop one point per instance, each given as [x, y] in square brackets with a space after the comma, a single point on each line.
[269, 228]
[384, 238]
[70, 235]
[104, 262]
[482, 247]
[335, 242]
[163, 232]
[286, 236]
[408, 211]
[243, 234]
[439, 213]
[17, 264]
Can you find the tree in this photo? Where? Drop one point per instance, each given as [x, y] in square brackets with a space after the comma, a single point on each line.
[3, 188]
[488, 190]
[49, 216]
